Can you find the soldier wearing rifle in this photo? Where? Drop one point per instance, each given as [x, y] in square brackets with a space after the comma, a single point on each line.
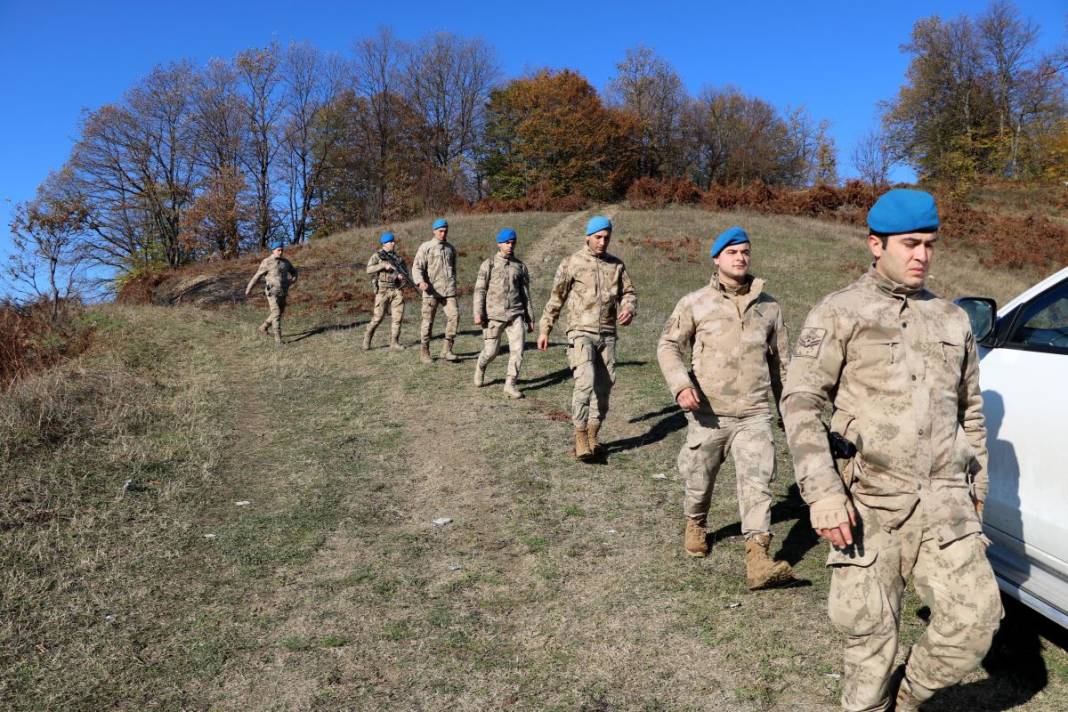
[502, 304]
[599, 293]
[434, 269]
[390, 278]
[278, 274]
[734, 333]
[904, 498]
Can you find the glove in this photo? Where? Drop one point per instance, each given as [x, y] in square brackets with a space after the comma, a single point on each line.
[829, 512]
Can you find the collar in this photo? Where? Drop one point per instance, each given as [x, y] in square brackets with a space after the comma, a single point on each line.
[889, 287]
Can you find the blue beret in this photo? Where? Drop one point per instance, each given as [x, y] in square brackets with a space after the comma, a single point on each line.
[278, 245]
[440, 223]
[598, 223]
[505, 235]
[386, 237]
[903, 210]
[731, 236]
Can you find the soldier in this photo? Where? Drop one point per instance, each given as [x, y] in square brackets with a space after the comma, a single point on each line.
[434, 268]
[279, 273]
[598, 286]
[905, 497]
[502, 303]
[735, 334]
[389, 283]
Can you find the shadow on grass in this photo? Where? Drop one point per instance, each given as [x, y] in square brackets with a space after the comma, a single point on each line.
[1015, 665]
[660, 430]
[546, 380]
[321, 329]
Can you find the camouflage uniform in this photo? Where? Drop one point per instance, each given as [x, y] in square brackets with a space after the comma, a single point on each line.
[388, 292]
[738, 345]
[596, 288]
[900, 368]
[435, 264]
[502, 300]
[278, 274]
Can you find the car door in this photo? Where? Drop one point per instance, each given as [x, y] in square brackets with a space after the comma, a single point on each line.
[1024, 378]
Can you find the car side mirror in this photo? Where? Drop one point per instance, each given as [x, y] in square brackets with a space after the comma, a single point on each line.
[982, 313]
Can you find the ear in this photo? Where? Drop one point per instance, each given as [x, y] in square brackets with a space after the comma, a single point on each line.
[876, 246]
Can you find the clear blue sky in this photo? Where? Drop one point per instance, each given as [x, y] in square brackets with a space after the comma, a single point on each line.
[837, 58]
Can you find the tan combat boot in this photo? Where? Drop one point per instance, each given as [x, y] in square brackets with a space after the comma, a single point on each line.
[446, 351]
[394, 341]
[480, 373]
[512, 392]
[582, 445]
[424, 353]
[367, 336]
[906, 699]
[592, 428]
[696, 539]
[278, 335]
[761, 571]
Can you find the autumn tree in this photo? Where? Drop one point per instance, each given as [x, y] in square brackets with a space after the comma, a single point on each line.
[261, 78]
[871, 160]
[551, 130]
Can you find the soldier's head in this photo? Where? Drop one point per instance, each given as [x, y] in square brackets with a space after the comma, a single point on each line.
[598, 234]
[441, 229]
[902, 232]
[388, 241]
[277, 249]
[506, 241]
[731, 253]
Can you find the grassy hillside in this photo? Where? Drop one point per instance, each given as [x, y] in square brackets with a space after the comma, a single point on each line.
[193, 519]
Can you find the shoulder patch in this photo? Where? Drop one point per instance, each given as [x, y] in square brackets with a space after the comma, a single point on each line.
[809, 342]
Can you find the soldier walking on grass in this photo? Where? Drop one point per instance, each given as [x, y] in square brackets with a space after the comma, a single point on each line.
[278, 274]
[600, 294]
[389, 282]
[434, 269]
[735, 334]
[905, 497]
[502, 303]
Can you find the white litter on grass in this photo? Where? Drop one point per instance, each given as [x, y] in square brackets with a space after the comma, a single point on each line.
[832, 675]
[736, 604]
[610, 531]
[442, 521]
[109, 618]
[659, 476]
[209, 536]
[243, 503]
[455, 567]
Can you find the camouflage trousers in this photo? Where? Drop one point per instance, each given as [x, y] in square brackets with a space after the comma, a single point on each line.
[515, 330]
[953, 578]
[431, 302]
[394, 299]
[276, 303]
[592, 359]
[709, 438]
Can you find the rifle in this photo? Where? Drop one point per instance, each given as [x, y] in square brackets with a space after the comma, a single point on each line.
[398, 265]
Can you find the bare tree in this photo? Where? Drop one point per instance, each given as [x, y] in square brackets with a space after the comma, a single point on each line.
[261, 78]
[871, 159]
[650, 90]
[46, 234]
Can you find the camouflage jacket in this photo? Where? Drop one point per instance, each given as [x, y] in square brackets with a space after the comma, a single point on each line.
[386, 276]
[278, 274]
[899, 366]
[435, 264]
[737, 343]
[502, 290]
[596, 289]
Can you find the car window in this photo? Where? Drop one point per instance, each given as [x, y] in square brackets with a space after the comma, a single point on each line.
[1043, 322]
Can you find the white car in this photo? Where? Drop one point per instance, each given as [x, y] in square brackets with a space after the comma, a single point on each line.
[1023, 374]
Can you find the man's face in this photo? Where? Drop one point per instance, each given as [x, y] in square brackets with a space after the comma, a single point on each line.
[598, 241]
[276, 252]
[506, 248]
[441, 233]
[390, 246]
[906, 258]
[733, 261]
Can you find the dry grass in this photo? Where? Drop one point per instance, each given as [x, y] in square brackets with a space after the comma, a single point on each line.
[556, 586]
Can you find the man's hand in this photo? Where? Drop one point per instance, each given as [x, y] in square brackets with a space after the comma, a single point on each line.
[543, 342]
[833, 519]
[423, 286]
[688, 399]
[978, 507]
[530, 327]
[478, 320]
[248, 292]
[626, 317]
